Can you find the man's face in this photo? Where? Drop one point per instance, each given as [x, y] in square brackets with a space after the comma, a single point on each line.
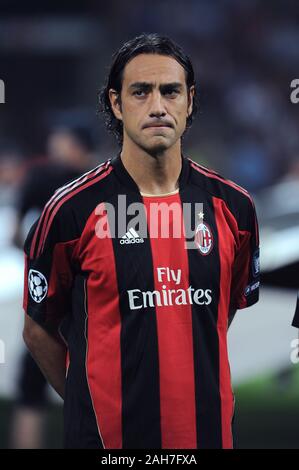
[154, 102]
[65, 149]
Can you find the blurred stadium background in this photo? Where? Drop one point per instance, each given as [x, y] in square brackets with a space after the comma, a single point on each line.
[53, 59]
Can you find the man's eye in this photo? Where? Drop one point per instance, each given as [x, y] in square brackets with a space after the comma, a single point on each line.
[138, 92]
[171, 92]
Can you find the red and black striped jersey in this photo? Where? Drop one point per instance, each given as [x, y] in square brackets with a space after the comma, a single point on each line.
[144, 315]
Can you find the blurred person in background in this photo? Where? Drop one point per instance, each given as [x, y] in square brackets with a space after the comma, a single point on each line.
[11, 174]
[70, 152]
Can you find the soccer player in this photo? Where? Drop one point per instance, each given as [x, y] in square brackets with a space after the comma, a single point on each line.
[142, 307]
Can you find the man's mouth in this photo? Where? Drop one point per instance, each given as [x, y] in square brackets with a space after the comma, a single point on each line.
[158, 124]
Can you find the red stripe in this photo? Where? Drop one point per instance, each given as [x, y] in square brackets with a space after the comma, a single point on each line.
[59, 193]
[223, 180]
[227, 229]
[175, 338]
[103, 360]
[47, 225]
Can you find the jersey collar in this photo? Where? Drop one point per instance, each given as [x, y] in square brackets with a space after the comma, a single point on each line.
[128, 181]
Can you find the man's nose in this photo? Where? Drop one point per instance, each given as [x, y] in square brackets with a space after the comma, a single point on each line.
[157, 107]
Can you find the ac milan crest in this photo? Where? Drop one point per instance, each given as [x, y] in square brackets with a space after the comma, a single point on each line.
[203, 237]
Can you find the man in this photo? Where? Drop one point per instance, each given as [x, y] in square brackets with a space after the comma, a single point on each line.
[144, 315]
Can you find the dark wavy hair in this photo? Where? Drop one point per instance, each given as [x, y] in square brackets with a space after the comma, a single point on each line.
[144, 44]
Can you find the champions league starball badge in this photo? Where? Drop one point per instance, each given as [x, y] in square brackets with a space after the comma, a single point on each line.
[203, 236]
[38, 286]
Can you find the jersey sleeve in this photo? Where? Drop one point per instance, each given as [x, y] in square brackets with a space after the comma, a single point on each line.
[295, 321]
[246, 269]
[49, 273]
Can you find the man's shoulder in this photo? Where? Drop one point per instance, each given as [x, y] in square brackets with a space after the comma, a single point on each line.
[218, 185]
[82, 191]
[65, 214]
[84, 181]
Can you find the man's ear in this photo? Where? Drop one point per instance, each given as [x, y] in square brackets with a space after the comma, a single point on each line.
[190, 100]
[115, 102]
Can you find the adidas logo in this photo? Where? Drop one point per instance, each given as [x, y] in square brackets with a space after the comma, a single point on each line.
[131, 237]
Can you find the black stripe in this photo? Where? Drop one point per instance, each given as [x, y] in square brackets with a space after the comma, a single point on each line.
[141, 427]
[204, 273]
[59, 191]
[81, 429]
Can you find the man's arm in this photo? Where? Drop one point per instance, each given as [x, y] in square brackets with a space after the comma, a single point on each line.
[48, 352]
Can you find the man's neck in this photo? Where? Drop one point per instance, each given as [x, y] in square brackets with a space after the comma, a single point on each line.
[154, 175]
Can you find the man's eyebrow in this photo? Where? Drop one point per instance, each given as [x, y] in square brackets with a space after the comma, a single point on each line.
[172, 85]
[148, 85]
[140, 85]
